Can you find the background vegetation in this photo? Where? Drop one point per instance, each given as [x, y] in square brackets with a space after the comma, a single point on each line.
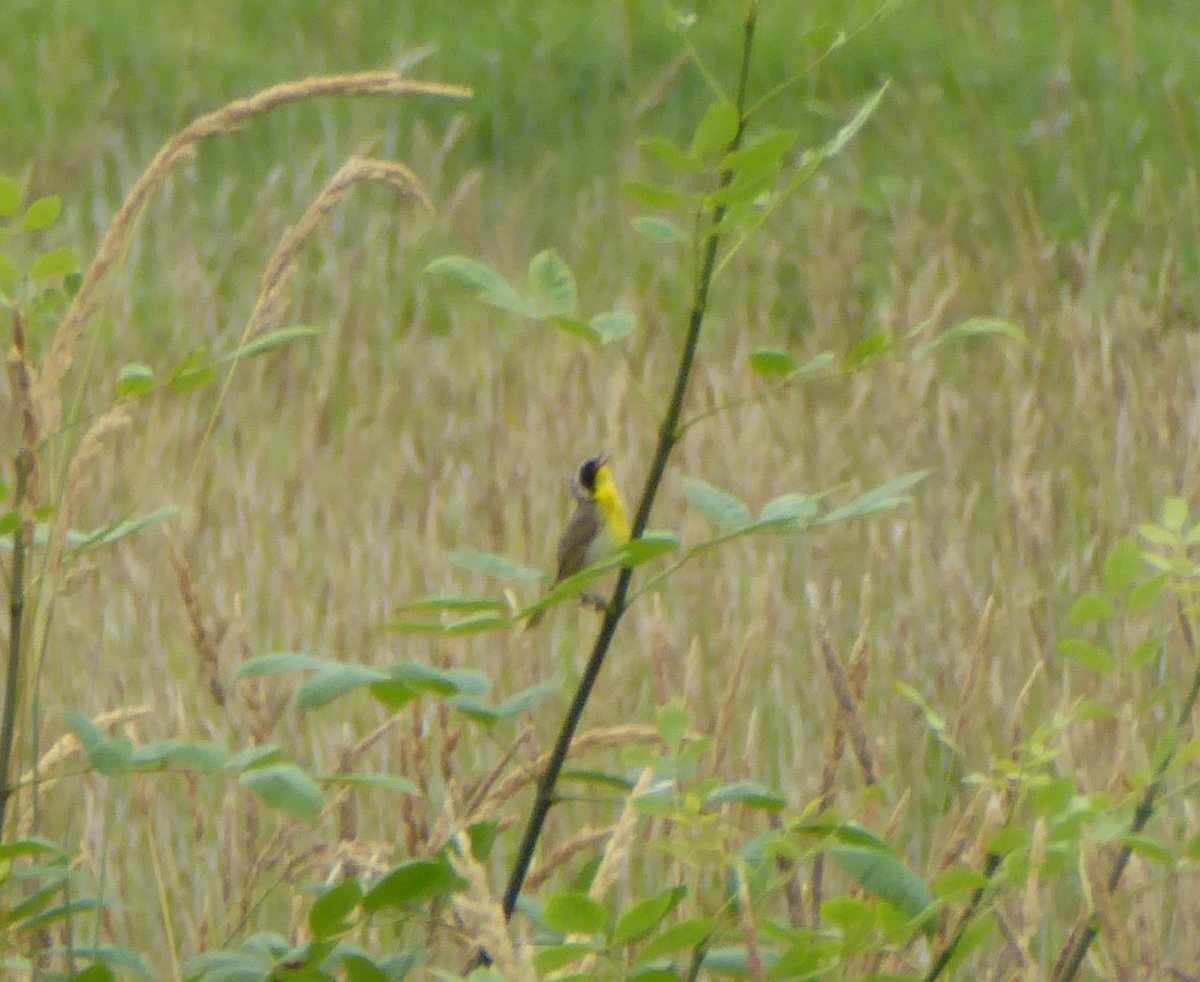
[1029, 162]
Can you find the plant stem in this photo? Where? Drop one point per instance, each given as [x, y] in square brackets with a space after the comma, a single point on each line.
[668, 435]
[16, 619]
[1141, 815]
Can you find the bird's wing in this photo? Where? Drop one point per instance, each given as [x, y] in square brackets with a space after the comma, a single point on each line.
[573, 545]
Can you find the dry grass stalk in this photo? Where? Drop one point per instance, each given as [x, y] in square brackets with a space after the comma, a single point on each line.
[754, 960]
[729, 703]
[857, 726]
[792, 892]
[1020, 705]
[205, 643]
[614, 856]
[618, 844]
[1112, 928]
[582, 841]
[482, 917]
[224, 120]
[598, 739]
[479, 791]
[65, 748]
[660, 654]
[1031, 912]
[22, 377]
[271, 300]
[980, 664]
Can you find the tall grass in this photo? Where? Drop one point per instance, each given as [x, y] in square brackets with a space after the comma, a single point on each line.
[1051, 184]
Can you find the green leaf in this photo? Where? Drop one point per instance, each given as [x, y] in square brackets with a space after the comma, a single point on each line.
[716, 505]
[454, 603]
[762, 154]
[286, 788]
[204, 757]
[883, 498]
[747, 793]
[674, 721]
[649, 546]
[55, 264]
[882, 875]
[272, 341]
[1091, 607]
[283, 661]
[716, 130]
[10, 522]
[258, 756]
[684, 936]
[644, 916]
[767, 361]
[134, 379]
[31, 846]
[476, 624]
[441, 682]
[1147, 592]
[867, 350]
[10, 196]
[552, 284]
[661, 231]
[192, 372]
[492, 565]
[576, 328]
[667, 152]
[328, 685]
[481, 280]
[383, 782]
[41, 214]
[329, 916]
[854, 124]
[974, 328]
[613, 326]
[1149, 847]
[553, 957]
[1122, 566]
[572, 912]
[1087, 653]
[109, 756]
[654, 196]
[114, 533]
[1174, 514]
[522, 702]
[788, 511]
[409, 883]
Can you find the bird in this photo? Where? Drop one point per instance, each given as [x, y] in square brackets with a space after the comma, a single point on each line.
[599, 527]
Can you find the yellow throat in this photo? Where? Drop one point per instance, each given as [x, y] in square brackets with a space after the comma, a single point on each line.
[608, 500]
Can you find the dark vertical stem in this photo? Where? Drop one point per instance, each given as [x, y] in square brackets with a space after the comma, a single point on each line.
[1141, 815]
[667, 437]
[16, 620]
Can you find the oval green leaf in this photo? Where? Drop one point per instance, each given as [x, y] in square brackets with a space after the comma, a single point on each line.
[572, 912]
[552, 284]
[287, 789]
[719, 507]
[410, 883]
[41, 214]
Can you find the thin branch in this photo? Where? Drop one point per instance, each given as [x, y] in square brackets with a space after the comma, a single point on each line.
[667, 437]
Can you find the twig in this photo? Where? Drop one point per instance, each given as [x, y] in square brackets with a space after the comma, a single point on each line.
[668, 435]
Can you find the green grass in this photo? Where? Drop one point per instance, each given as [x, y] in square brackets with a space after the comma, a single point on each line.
[1033, 164]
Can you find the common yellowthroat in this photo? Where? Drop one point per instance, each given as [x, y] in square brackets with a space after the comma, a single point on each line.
[600, 525]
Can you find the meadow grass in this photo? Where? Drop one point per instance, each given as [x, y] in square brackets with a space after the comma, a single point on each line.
[1049, 182]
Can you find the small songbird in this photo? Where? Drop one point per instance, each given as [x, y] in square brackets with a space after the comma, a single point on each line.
[600, 525]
